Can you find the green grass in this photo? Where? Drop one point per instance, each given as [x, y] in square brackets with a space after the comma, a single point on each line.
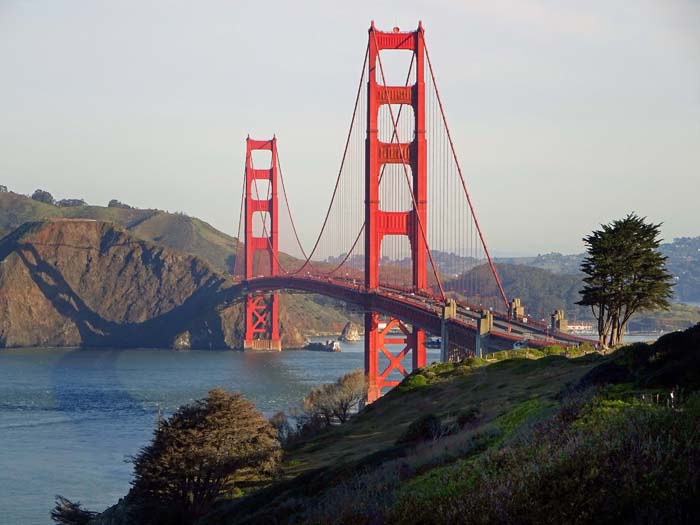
[494, 389]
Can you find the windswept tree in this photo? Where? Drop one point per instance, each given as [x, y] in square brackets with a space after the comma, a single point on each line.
[336, 401]
[199, 455]
[625, 273]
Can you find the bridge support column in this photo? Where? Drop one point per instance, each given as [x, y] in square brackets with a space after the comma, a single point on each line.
[262, 324]
[558, 321]
[484, 325]
[377, 344]
[261, 312]
[379, 221]
[449, 310]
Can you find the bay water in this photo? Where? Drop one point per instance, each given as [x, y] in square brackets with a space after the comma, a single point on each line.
[70, 418]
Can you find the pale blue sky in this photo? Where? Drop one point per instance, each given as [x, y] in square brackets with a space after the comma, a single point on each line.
[565, 114]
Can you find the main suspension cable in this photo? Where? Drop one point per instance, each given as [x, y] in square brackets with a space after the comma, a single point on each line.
[464, 184]
[340, 171]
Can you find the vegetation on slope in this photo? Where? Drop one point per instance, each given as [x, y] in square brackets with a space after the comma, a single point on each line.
[547, 440]
[541, 291]
[683, 262]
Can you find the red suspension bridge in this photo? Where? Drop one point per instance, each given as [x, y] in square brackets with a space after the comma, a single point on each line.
[400, 237]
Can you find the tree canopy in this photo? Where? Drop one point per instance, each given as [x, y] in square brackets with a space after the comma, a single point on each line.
[43, 196]
[336, 401]
[199, 455]
[625, 273]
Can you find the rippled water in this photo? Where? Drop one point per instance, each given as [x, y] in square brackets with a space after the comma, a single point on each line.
[70, 418]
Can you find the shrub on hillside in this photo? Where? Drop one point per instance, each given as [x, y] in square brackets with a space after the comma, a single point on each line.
[469, 416]
[413, 382]
[336, 402]
[553, 350]
[70, 203]
[673, 360]
[280, 422]
[625, 461]
[426, 427]
[43, 196]
[114, 203]
[198, 456]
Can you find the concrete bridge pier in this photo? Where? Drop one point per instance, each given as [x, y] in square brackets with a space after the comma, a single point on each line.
[558, 321]
[484, 325]
[449, 311]
[517, 310]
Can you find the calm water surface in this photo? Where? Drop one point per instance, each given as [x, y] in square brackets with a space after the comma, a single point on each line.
[70, 418]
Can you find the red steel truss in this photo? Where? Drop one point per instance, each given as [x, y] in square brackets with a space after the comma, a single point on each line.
[261, 311]
[378, 222]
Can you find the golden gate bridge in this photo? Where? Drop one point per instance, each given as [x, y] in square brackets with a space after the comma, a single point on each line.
[400, 237]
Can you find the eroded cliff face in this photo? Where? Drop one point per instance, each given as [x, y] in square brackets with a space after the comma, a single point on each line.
[90, 283]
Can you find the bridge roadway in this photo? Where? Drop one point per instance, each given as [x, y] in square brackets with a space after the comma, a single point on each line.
[421, 310]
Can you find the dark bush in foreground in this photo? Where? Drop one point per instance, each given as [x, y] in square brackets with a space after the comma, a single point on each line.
[198, 456]
[469, 416]
[424, 428]
[673, 360]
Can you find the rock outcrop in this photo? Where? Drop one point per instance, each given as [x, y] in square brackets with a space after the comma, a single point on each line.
[351, 332]
[90, 283]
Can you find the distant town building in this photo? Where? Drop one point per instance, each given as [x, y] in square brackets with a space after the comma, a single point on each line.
[3, 189]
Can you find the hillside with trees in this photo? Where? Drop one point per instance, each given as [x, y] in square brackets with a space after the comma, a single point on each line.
[683, 262]
[312, 314]
[541, 291]
[525, 437]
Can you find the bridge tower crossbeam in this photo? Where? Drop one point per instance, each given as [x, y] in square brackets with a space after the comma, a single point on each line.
[261, 311]
[378, 222]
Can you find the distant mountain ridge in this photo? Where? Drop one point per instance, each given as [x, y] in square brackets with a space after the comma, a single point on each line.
[683, 262]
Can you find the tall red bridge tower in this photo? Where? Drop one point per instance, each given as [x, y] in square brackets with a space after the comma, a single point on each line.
[261, 311]
[412, 157]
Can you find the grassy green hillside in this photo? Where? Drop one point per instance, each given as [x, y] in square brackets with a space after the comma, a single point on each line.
[548, 440]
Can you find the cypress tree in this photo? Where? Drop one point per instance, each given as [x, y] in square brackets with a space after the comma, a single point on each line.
[625, 273]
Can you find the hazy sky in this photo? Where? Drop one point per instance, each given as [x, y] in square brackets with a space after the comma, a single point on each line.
[565, 114]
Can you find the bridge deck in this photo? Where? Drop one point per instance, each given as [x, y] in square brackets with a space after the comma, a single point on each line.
[423, 311]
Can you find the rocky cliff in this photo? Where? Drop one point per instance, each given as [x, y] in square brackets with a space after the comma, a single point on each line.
[308, 313]
[351, 332]
[90, 283]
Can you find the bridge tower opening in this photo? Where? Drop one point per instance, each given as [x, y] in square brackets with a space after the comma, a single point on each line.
[379, 222]
[261, 253]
